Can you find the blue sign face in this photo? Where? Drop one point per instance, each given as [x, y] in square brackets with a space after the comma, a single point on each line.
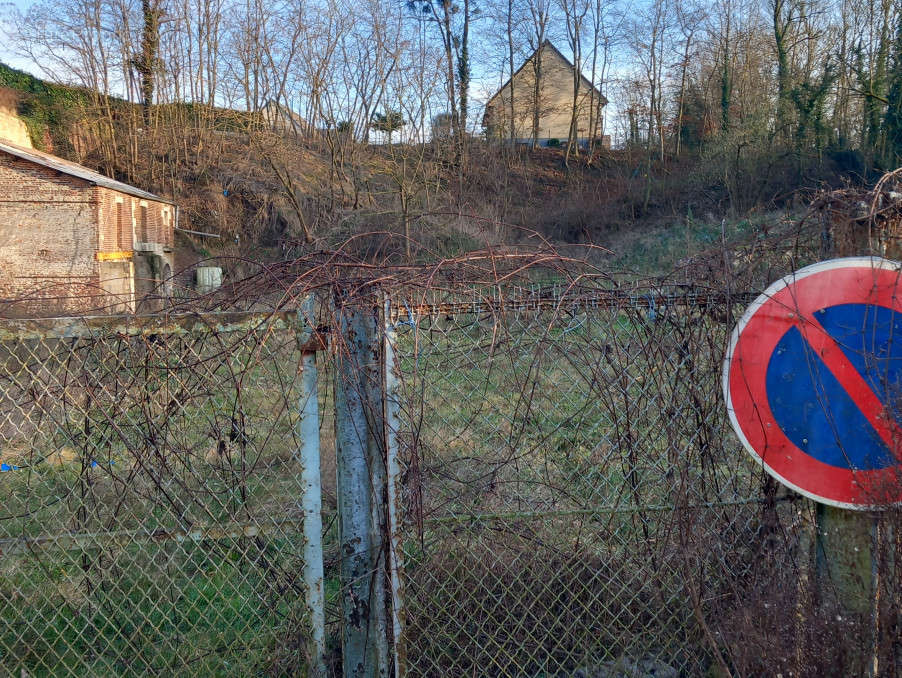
[810, 405]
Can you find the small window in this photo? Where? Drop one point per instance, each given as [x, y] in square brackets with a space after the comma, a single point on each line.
[166, 230]
[120, 232]
[143, 223]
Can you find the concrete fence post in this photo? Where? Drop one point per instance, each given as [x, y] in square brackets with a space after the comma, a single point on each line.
[354, 487]
[366, 426]
[375, 394]
[391, 423]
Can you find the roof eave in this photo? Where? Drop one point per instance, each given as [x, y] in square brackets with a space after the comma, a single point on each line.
[104, 182]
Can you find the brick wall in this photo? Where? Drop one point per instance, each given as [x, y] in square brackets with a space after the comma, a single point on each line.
[52, 227]
[116, 218]
[48, 240]
[142, 221]
[161, 223]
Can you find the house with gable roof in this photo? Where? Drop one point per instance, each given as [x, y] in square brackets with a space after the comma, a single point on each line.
[554, 103]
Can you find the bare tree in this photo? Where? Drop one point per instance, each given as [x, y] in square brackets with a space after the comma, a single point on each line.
[650, 31]
[575, 12]
[606, 21]
[689, 19]
[453, 23]
[540, 13]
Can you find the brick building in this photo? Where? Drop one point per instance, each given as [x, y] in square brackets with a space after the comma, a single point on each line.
[75, 241]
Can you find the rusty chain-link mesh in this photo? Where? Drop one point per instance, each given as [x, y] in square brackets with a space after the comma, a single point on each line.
[577, 505]
[150, 520]
[574, 503]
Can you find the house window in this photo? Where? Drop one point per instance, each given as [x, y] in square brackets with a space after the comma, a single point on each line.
[120, 234]
[164, 235]
[144, 223]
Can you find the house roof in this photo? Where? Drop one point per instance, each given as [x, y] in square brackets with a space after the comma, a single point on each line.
[271, 106]
[588, 83]
[76, 170]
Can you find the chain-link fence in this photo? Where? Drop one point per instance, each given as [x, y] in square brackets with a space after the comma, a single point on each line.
[571, 501]
[572, 495]
[577, 504]
[150, 520]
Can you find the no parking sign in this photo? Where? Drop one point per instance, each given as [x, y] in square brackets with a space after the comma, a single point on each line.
[813, 381]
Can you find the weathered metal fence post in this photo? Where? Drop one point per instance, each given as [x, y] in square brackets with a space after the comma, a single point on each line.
[311, 488]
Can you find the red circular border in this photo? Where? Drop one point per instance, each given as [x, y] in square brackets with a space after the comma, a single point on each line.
[858, 282]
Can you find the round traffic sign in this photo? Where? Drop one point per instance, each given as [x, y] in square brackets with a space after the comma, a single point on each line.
[813, 381]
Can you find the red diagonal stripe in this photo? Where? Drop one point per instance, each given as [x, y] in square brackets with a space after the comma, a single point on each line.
[830, 352]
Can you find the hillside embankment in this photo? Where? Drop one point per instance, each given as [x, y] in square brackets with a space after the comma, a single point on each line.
[268, 191]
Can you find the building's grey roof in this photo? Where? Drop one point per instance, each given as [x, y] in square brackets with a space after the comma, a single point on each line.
[76, 170]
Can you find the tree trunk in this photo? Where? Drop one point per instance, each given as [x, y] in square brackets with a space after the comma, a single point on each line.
[681, 103]
[537, 94]
[147, 59]
[463, 69]
[510, 60]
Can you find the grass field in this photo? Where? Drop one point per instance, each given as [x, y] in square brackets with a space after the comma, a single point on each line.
[544, 460]
[151, 519]
[568, 473]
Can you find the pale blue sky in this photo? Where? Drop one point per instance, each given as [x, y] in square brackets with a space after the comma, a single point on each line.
[6, 56]
[482, 87]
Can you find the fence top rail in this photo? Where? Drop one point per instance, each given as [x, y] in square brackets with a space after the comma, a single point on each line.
[538, 299]
[561, 298]
[145, 325]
